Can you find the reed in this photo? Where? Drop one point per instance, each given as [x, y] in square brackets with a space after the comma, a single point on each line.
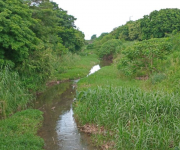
[136, 119]
[13, 95]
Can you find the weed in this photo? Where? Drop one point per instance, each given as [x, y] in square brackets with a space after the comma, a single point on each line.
[138, 119]
[13, 95]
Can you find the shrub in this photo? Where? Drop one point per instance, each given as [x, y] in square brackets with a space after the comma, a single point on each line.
[145, 55]
[109, 47]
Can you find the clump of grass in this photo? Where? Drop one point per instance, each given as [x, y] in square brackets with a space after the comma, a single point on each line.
[158, 77]
[13, 95]
[137, 119]
[19, 131]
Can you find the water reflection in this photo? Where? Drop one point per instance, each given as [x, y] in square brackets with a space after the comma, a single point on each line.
[59, 129]
[94, 69]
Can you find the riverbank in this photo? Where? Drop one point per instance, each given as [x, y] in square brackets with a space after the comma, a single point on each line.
[27, 122]
[127, 114]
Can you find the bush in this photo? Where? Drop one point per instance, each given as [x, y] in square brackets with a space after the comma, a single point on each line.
[109, 47]
[145, 55]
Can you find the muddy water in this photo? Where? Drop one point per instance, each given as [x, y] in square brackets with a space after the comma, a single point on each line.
[59, 129]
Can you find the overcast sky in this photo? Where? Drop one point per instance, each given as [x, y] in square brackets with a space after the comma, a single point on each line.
[98, 16]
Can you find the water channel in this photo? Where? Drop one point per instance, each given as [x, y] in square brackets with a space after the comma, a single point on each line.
[59, 129]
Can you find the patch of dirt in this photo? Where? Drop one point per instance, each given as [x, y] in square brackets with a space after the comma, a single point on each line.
[108, 57]
[108, 145]
[92, 129]
[95, 129]
[142, 78]
[51, 83]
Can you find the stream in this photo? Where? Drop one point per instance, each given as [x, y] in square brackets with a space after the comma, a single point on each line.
[59, 129]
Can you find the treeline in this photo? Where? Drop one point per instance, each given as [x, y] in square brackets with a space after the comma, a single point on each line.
[33, 36]
[157, 24]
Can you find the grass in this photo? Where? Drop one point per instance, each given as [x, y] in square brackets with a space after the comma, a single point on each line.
[75, 66]
[13, 96]
[19, 131]
[136, 115]
[133, 118]
[108, 75]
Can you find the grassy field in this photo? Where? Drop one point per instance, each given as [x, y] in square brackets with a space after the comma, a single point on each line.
[108, 75]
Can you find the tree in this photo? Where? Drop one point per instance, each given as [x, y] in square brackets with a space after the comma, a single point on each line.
[159, 23]
[93, 37]
[17, 39]
[144, 56]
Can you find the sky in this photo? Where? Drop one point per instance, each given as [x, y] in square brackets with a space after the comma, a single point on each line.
[99, 16]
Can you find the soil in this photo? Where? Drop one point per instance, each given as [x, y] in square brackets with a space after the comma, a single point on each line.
[95, 129]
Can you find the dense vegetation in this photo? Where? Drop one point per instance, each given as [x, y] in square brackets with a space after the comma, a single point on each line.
[34, 35]
[135, 101]
[157, 24]
[140, 107]
[37, 38]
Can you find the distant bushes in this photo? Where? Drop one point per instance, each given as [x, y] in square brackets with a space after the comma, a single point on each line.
[109, 47]
[144, 56]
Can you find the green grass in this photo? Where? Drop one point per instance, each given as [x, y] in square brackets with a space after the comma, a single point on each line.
[108, 75]
[75, 66]
[134, 119]
[137, 115]
[19, 131]
[13, 95]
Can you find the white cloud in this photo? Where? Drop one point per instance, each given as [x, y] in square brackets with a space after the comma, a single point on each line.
[98, 16]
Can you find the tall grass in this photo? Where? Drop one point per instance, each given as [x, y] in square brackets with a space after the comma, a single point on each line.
[13, 96]
[137, 120]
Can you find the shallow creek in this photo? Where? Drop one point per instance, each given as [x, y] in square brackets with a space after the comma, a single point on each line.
[59, 129]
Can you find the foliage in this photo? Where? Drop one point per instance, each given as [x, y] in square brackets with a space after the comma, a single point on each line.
[109, 47]
[19, 131]
[132, 118]
[36, 70]
[13, 95]
[121, 32]
[144, 56]
[73, 66]
[99, 41]
[93, 37]
[17, 39]
[155, 25]
[158, 23]
[90, 46]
